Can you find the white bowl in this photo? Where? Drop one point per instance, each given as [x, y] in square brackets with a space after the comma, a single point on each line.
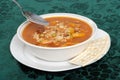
[59, 53]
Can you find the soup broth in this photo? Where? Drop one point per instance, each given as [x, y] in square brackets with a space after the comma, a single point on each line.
[61, 32]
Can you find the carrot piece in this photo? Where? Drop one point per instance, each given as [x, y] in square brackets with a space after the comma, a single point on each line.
[71, 30]
[78, 34]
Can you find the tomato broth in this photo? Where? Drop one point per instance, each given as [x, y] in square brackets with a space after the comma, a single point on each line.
[61, 32]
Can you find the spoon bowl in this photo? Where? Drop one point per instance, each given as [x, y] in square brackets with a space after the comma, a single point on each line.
[31, 16]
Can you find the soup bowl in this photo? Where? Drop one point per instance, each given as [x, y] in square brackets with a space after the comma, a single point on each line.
[58, 53]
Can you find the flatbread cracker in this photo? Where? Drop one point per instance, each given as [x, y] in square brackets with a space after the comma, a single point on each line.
[92, 53]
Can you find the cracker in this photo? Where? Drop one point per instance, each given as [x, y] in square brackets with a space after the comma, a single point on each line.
[92, 53]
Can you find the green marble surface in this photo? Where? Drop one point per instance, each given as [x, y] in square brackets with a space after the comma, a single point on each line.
[106, 13]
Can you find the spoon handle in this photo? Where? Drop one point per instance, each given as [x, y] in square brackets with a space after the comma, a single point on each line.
[18, 5]
[30, 16]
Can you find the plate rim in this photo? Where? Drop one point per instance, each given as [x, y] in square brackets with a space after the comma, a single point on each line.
[56, 70]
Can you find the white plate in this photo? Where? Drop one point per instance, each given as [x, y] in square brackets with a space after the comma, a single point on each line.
[22, 53]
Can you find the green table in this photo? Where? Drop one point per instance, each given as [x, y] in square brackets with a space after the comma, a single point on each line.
[106, 13]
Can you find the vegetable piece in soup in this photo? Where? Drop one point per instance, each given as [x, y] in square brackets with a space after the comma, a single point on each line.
[61, 32]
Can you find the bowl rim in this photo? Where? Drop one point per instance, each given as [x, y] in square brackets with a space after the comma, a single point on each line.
[86, 19]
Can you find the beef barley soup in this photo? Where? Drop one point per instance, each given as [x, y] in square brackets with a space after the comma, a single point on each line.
[61, 32]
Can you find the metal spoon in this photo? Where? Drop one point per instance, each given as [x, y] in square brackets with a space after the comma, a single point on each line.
[31, 16]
